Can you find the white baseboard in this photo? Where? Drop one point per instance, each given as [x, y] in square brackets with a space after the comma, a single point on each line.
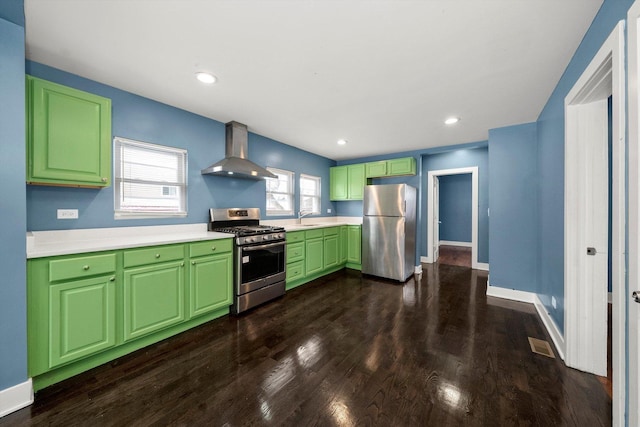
[418, 269]
[552, 328]
[610, 298]
[454, 243]
[482, 266]
[426, 259]
[16, 397]
[512, 294]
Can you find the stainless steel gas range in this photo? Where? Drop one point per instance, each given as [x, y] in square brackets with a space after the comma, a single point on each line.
[258, 256]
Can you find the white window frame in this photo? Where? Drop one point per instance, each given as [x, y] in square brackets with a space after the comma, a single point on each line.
[317, 196]
[119, 145]
[290, 193]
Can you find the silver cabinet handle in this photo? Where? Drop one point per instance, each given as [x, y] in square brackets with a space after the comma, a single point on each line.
[193, 263]
[257, 248]
[157, 255]
[85, 268]
[112, 279]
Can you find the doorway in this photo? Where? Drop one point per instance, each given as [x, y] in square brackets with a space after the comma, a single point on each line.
[586, 221]
[433, 202]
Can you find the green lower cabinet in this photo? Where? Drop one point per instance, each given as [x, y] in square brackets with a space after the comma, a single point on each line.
[209, 284]
[314, 262]
[153, 298]
[331, 250]
[354, 247]
[344, 244]
[82, 318]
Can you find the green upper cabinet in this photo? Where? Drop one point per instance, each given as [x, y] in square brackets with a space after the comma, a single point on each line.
[347, 182]
[374, 169]
[393, 167]
[68, 136]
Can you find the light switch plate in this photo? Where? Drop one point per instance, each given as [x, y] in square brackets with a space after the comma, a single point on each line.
[67, 213]
[553, 302]
[329, 210]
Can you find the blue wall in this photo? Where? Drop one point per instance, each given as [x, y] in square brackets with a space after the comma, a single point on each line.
[514, 207]
[13, 300]
[455, 208]
[551, 160]
[139, 118]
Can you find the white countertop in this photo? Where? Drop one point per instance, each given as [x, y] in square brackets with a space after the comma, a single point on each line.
[309, 223]
[64, 242]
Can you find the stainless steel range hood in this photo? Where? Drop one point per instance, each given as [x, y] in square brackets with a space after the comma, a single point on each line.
[235, 164]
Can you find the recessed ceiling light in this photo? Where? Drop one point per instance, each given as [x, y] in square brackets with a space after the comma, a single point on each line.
[342, 141]
[207, 78]
[452, 120]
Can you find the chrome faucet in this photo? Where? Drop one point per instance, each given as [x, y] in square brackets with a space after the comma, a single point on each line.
[301, 215]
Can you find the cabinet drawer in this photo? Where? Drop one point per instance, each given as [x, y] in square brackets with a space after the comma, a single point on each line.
[295, 271]
[331, 231]
[295, 236]
[153, 255]
[315, 233]
[78, 267]
[210, 247]
[295, 252]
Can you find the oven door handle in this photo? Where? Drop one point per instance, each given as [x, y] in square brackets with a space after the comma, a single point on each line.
[267, 246]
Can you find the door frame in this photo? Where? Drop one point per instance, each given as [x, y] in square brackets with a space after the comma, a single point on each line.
[633, 310]
[473, 170]
[604, 76]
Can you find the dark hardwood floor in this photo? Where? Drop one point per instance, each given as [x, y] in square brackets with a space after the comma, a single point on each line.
[341, 351]
[454, 255]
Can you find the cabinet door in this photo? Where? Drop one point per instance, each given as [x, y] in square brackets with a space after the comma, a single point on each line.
[343, 243]
[314, 256]
[375, 169]
[403, 166]
[331, 251]
[210, 284]
[82, 318]
[356, 181]
[69, 136]
[355, 243]
[153, 298]
[338, 183]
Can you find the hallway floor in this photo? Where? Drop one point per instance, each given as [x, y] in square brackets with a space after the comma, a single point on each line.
[340, 351]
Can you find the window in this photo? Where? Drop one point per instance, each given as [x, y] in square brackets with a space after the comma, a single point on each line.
[150, 180]
[309, 193]
[280, 192]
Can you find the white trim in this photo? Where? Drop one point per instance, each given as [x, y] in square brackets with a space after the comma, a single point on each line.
[16, 397]
[633, 190]
[483, 266]
[474, 210]
[454, 243]
[552, 328]
[511, 294]
[417, 269]
[605, 71]
[426, 260]
[610, 297]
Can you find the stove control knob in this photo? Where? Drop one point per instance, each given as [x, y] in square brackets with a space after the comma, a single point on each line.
[266, 237]
[248, 240]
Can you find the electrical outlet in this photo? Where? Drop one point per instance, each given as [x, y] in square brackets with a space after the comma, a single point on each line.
[67, 213]
[553, 302]
[329, 210]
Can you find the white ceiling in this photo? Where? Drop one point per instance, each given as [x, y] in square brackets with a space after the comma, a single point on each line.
[383, 74]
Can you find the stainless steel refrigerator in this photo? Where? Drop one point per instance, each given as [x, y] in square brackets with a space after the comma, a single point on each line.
[389, 231]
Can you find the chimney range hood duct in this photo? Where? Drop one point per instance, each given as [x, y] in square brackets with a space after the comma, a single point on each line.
[235, 164]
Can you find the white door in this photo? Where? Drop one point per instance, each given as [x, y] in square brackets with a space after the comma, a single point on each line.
[436, 218]
[586, 217]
